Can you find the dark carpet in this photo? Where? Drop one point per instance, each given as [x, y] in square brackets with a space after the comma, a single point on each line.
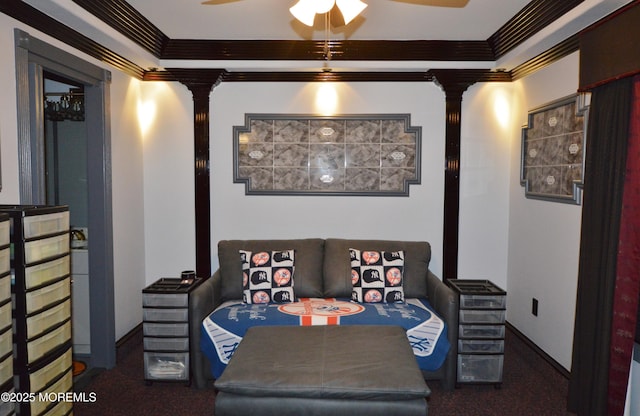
[531, 386]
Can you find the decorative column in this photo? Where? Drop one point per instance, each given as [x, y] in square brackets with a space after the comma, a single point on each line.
[201, 84]
[454, 83]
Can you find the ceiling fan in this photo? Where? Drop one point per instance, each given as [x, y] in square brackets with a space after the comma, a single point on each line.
[435, 3]
[305, 10]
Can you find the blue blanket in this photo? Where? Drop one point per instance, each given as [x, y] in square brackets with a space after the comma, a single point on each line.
[223, 329]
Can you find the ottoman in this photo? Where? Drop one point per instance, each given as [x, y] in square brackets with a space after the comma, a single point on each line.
[322, 370]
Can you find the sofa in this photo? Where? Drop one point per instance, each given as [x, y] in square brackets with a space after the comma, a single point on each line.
[323, 269]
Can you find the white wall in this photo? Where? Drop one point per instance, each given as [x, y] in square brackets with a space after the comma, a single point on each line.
[417, 217]
[544, 237]
[485, 146]
[126, 171]
[127, 150]
[169, 214]
[484, 191]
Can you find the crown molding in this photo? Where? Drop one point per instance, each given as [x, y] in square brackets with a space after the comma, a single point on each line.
[129, 22]
[221, 75]
[122, 17]
[534, 17]
[25, 13]
[341, 50]
[564, 48]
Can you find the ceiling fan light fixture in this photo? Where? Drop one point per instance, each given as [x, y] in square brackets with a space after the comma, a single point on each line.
[304, 11]
[350, 9]
[324, 6]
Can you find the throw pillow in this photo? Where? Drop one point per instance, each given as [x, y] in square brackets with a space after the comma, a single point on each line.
[267, 276]
[377, 276]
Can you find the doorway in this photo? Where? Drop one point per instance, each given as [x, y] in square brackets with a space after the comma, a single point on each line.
[65, 177]
[37, 61]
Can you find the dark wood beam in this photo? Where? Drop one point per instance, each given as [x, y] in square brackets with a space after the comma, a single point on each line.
[341, 50]
[178, 74]
[201, 91]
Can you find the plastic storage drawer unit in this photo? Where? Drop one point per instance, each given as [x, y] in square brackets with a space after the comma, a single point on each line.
[488, 316]
[165, 315]
[40, 378]
[166, 366]
[45, 224]
[41, 317]
[6, 327]
[6, 407]
[483, 302]
[6, 369]
[43, 273]
[477, 368]
[150, 329]
[480, 346]
[481, 331]
[165, 329]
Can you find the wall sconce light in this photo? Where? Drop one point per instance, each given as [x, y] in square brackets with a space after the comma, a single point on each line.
[326, 99]
[146, 115]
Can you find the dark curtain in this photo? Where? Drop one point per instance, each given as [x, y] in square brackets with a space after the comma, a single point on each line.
[625, 303]
[606, 154]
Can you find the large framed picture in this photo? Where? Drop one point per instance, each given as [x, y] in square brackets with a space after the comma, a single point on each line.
[289, 154]
[553, 150]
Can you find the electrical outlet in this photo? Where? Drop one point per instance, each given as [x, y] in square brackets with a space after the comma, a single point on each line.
[534, 306]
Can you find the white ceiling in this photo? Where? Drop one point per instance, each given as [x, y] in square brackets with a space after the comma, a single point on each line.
[382, 19]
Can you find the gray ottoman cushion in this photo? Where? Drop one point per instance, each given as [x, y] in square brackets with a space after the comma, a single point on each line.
[228, 404]
[350, 367]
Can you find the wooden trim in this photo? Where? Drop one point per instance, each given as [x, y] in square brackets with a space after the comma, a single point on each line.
[129, 335]
[563, 371]
[341, 50]
[121, 16]
[221, 75]
[561, 50]
[201, 118]
[534, 17]
[40, 21]
[134, 26]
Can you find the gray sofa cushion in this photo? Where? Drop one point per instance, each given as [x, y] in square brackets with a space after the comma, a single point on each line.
[337, 265]
[308, 264]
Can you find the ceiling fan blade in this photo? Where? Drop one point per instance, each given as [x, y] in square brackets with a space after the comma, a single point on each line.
[437, 3]
[216, 2]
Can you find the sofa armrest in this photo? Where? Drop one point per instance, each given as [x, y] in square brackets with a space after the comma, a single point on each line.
[204, 299]
[445, 302]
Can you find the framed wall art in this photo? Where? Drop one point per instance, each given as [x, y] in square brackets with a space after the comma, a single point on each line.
[553, 150]
[289, 154]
